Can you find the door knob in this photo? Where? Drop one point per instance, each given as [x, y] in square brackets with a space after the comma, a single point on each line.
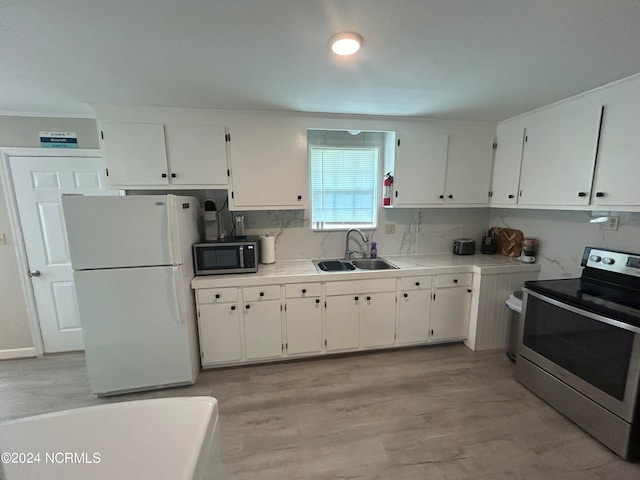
[34, 273]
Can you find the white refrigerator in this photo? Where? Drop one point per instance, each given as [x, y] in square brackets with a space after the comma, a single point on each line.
[132, 268]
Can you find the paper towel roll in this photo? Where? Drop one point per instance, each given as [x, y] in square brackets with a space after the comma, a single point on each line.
[267, 249]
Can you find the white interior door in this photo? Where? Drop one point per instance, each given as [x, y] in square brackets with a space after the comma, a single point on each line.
[39, 183]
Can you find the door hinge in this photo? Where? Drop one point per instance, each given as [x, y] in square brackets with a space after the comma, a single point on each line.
[495, 145]
[107, 171]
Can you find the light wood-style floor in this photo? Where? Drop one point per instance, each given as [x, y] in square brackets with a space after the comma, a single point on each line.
[439, 412]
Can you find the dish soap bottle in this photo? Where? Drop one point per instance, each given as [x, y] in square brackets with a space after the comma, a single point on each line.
[374, 250]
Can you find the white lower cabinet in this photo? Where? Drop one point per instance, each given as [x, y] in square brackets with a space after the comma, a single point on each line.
[364, 317]
[450, 311]
[262, 322]
[414, 309]
[303, 319]
[220, 326]
[270, 322]
[342, 322]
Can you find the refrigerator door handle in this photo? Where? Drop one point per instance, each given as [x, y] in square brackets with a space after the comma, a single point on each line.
[179, 294]
[174, 230]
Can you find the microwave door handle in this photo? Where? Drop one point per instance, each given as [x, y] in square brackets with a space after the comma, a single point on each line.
[241, 255]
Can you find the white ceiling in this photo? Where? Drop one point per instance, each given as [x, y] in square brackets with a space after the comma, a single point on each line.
[457, 59]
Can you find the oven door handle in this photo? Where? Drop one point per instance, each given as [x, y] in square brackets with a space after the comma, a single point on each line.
[584, 313]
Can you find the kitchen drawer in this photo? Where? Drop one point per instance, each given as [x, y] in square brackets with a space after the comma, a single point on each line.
[301, 290]
[453, 280]
[415, 283]
[361, 286]
[256, 294]
[216, 295]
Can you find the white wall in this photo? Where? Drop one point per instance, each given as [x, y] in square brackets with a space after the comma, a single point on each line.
[24, 132]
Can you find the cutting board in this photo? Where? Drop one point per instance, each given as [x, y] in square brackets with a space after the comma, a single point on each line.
[508, 241]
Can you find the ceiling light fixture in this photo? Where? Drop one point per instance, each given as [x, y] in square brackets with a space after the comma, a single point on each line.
[345, 43]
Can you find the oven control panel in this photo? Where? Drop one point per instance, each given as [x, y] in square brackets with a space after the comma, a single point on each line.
[619, 262]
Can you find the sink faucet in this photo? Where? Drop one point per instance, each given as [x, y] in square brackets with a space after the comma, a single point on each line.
[347, 252]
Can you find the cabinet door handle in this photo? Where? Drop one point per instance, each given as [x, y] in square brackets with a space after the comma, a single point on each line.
[405, 295]
[468, 290]
[233, 307]
[582, 194]
[510, 195]
[247, 307]
[368, 299]
[304, 290]
[450, 196]
[317, 300]
[299, 197]
[262, 294]
[455, 280]
[600, 194]
[417, 284]
[441, 196]
[173, 175]
[217, 295]
[164, 175]
[356, 298]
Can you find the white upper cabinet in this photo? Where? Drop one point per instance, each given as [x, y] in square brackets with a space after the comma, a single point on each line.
[420, 166]
[141, 154]
[506, 164]
[197, 155]
[559, 157]
[134, 153]
[269, 166]
[469, 166]
[618, 167]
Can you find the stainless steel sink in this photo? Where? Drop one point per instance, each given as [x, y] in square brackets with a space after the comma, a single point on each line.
[333, 265]
[328, 266]
[373, 264]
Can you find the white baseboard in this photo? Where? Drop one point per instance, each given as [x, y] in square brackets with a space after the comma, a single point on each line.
[18, 353]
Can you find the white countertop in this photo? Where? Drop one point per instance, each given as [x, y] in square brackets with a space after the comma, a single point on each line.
[297, 271]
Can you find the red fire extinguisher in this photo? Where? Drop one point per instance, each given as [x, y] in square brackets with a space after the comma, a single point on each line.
[387, 183]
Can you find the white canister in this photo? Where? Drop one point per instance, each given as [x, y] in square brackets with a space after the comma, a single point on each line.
[267, 248]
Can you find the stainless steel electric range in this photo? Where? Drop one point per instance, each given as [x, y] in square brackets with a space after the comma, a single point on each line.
[579, 347]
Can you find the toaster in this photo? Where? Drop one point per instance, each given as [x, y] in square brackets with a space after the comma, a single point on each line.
[464, 246]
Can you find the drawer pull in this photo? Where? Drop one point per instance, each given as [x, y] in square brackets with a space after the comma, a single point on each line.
[217, 295]
[317, 300]
[247, 307]
[233, 307]
[356, 298]
[368, 299]
[304, 290]
[405, 295]
[417, 284]
[455, 280]
[262, 294]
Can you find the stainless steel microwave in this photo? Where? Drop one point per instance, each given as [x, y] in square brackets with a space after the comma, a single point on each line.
[238, 255]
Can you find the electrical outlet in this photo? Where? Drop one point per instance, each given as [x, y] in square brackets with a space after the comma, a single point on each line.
[612, 223]
[390, 228]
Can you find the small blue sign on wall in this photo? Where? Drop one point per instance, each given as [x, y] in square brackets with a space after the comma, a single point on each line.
[58, 140]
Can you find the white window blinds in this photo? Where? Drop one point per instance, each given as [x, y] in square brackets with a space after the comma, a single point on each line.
[343, 187]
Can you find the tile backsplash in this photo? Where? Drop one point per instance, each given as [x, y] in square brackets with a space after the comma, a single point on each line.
[416, 231]
[563, 235]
